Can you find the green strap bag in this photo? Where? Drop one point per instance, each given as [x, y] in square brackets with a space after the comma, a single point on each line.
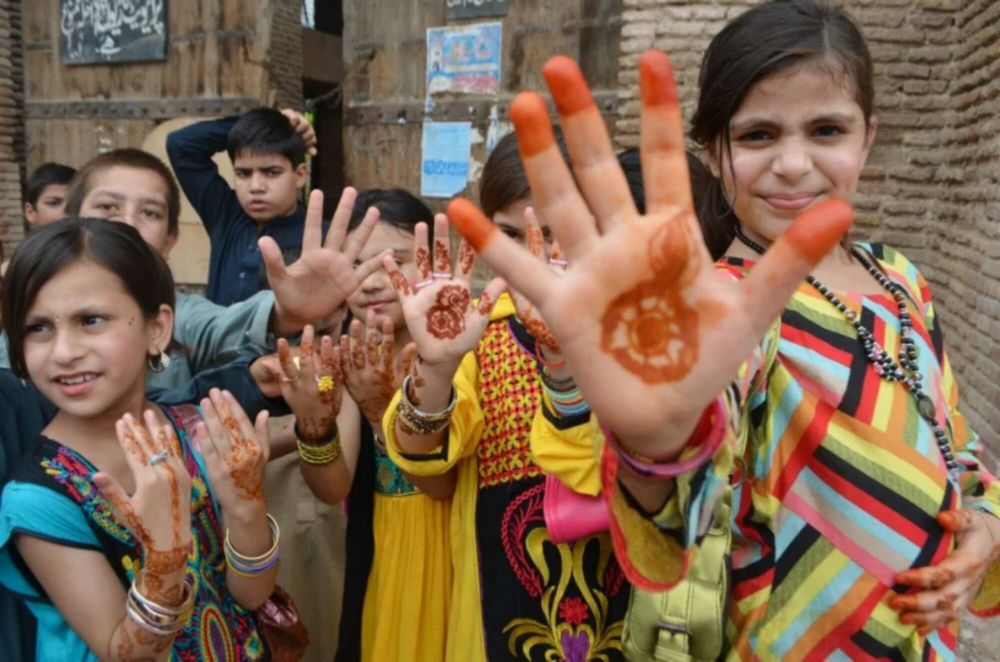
[687, 623]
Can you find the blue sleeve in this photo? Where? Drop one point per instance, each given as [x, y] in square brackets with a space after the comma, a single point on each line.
[234, 377]
[215, 334]
[190, 151]
[44, 513]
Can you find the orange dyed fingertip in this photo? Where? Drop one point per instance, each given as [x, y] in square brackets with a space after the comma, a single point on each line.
[530, 116]
[567, 85]
[816, 231]
[656, 79]
[471, 223]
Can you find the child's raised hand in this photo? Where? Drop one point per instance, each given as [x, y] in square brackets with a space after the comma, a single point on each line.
[235, 453]
[949, 586]
[313, 388]
[438, 309]
[650, 331]
[371, 373]
[526, 312]
[303, 127]
[313, 287]
[154, 456]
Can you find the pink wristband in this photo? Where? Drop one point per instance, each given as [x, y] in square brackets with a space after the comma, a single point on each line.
[711, 429]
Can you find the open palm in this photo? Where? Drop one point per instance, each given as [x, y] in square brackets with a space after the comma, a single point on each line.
[440, 314]
[313, 287]
[649, 329]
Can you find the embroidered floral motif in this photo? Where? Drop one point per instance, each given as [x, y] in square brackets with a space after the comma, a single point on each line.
[390, 479]
[509, 400]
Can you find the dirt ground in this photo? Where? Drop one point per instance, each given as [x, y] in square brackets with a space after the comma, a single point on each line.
[979, 640]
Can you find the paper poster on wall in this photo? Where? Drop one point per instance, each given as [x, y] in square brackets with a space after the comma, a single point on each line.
[444, 162]
[113, 30]
[464, 59]
[459, 9]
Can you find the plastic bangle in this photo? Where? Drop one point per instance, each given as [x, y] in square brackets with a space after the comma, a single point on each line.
[541, 358]
[711, 430]
[250, 566]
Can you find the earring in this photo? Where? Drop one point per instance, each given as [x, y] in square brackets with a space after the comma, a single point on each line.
[158, 362]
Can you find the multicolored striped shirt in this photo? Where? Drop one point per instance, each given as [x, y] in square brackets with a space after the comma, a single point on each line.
[836, 488]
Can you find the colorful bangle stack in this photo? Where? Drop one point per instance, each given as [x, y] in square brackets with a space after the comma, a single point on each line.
[321, 453]
[155, 618]
[252, 566]
[417, 422]
[709, 434]
[564, 395]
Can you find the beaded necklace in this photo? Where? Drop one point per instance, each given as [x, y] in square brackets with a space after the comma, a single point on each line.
[906, 370]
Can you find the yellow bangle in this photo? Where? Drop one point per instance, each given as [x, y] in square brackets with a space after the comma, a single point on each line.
[319, 454]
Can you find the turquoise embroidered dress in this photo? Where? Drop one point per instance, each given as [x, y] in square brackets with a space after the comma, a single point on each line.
[53, 497]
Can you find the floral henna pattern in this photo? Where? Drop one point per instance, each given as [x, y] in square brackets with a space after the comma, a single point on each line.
[245, 459]
[442, 256]
[399, 282]
[485, 304]
[466, 256]
[446, 318]
[423, 259]
[652, 332]
[540, 332]
[536, 240]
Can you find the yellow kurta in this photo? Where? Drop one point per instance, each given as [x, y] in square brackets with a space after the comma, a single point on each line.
[493, 447]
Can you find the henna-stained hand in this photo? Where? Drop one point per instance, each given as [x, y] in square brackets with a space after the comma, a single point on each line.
[372, 372]
[235, 453]
[949, 586]
[312, 288]
[526, 312]
[438, 309]
[164, 533]
[315, 408]
[649, 330]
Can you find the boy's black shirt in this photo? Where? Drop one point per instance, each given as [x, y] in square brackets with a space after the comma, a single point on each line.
[235, 269]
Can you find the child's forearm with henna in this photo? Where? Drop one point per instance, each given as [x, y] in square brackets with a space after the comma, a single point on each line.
[161, 581]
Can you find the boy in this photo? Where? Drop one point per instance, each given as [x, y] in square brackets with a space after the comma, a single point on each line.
[45, 193]
[268, 149]
[135, 187]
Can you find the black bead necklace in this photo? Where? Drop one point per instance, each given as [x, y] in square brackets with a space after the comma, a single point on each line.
[906, 370]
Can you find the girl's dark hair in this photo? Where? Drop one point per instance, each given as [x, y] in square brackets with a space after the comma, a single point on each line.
[43, 176]
[127, 157]
[700, 177]
[45, 252]
[504, 181]
[397, 207]
[770, 38]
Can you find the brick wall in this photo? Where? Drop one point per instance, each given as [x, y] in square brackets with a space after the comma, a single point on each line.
[284, 63]
[11, 124]
[931, 184]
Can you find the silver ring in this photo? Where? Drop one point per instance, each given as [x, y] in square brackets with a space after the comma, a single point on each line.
[156, 459]
[290, 380]
[440, 275]
[422, 284]
[556, 262]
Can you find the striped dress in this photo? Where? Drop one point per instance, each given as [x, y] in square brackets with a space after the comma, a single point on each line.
[836, 490]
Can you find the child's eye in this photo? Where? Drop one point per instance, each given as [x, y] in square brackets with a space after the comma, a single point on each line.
[92, 320]
[37, 328]
[152, 213]
[829, 131]
[513, 234]
[107, 206]
[754, 136]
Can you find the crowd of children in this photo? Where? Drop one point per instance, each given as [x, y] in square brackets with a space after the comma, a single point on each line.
[688, 420]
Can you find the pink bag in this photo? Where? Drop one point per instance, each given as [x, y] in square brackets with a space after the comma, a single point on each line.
[570, 515]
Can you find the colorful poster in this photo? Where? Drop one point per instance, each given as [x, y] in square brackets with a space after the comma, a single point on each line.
[464, 59]
[444, 162]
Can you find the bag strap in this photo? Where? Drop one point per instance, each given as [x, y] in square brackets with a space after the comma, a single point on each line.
[691, 626]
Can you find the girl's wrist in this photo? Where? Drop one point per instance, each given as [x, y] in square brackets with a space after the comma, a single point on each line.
[245, 514]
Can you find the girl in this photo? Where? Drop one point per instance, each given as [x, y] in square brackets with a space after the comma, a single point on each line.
[398, 574]
[470, 408]
[862, 522]
[129, 538]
